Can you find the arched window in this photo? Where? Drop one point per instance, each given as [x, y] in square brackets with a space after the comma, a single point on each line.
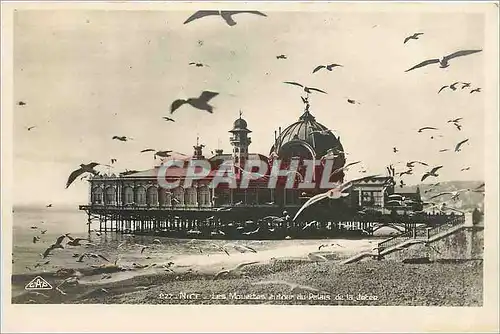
[152, 198]
[190, 196]
[164, 197]
[97, 196]
[178, 196]
[110, 196]
[140, 195]
[204, 196]
[128, 195]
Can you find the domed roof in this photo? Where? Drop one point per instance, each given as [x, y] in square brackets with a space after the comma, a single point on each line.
[240, 125]
[310, 134]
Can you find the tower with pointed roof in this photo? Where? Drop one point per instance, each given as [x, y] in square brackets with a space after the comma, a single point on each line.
[240, 141]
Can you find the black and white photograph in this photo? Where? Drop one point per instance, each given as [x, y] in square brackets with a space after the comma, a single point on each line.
[331, 155]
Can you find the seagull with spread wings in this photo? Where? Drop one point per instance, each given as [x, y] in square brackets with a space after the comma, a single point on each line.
[335, 193]
[454, 194]
[168, 119]
[308, 90]
[226, 15]
[56, 245]
[441, 89]
[459, 145]
[326, 67]
[433, 172]
[200, 102]
[121, 138]
[346, 167]
[84, 168]
[476, 90]
[198, 64]
[426, 128]
[411, 164]
[414, 36]
[444, 62]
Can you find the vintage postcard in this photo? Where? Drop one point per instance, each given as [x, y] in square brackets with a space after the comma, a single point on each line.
[256, 160]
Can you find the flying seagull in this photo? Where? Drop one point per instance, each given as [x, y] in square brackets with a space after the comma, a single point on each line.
[352, 101]
[121, 138]
[164, 154]
[168, 119]
[148, 150]
[200, 102]
[456, 120]
[426, 128]
[477, 90]
[226, 15]
[281, 57]
[345, 167]
[327, 67]
[458, 126]
[433, 172]
[55, 245]
[439, 91]
[453, 85]
[21, 103]
[198, 64]
[443, 63]
[84, 168]
[411, 164]
[31, 127]
[334, 193]
[414, 36]
[308, 90]
[465, 84]
[74, 241]
[459, 145]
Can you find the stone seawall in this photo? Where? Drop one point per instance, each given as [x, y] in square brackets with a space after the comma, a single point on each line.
[466, 243]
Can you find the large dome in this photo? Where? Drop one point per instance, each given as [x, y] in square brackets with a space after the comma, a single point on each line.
[309, 139]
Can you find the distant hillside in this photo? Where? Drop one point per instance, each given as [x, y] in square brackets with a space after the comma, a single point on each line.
[467, 201]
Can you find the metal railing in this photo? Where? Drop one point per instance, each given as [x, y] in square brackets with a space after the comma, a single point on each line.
[395, 240]
[421, 233]
[458, 220]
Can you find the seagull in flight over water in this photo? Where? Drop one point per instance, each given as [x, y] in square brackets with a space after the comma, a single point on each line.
[226, 15]
[443, 62]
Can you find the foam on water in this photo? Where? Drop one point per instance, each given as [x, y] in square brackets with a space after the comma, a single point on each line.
[194, 254]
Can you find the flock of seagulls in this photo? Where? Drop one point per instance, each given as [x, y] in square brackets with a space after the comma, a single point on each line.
[202, 102]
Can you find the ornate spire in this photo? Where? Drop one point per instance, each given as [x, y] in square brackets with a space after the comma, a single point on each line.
[306, 116]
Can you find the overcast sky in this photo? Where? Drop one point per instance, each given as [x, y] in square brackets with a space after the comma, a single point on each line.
[89, 75]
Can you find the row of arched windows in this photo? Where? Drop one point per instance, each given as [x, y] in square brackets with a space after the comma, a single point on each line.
[153, 196]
